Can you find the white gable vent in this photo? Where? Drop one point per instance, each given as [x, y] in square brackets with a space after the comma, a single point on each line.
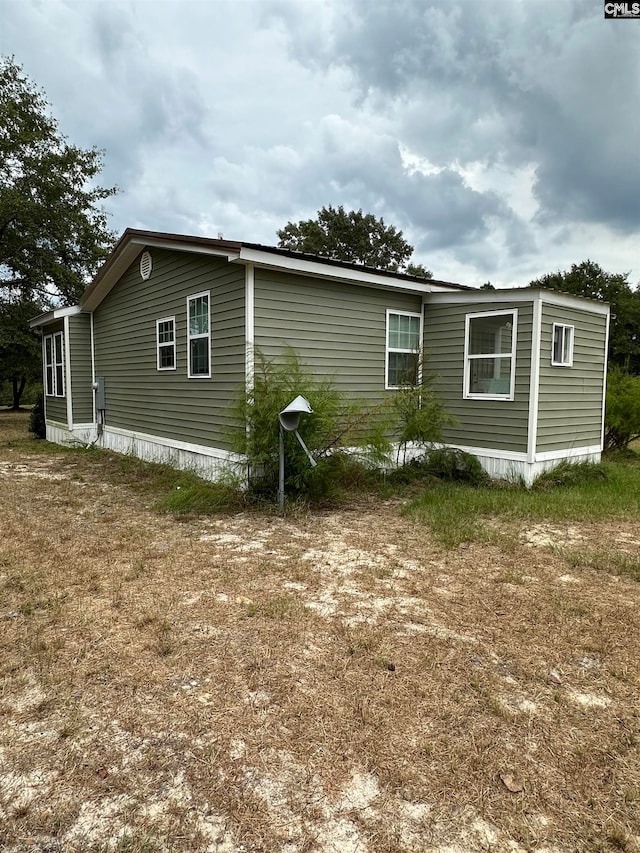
[146, 265]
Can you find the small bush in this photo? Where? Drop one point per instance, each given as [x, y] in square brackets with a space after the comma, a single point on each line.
[450, 464]
[335, 422]
[37, 423]
[570, 474]
[622, 414]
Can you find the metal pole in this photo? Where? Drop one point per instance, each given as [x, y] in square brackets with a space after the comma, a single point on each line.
[281, 473]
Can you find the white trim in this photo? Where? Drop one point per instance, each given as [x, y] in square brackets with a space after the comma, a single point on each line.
[178, 246]
[67, 371]
[468, 358]
[572, 332]
[249, 323]
[166, 343]
[521, 294]
[317, 269]
[200, 336]
[534, 383]
[93, 366]
[59, 313]
[567, 453]
[388, 349]
[604, 379]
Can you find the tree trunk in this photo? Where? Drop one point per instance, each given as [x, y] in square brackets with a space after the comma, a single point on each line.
[18, 385]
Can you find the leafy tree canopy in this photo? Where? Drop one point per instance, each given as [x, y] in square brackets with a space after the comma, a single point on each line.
[352, 236]
[589, 279]
[20, 347]
[53, 230]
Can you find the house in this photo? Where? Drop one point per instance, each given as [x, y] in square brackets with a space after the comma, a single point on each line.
[151, 359]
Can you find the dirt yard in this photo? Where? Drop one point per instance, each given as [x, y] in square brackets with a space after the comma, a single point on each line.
[331, 682]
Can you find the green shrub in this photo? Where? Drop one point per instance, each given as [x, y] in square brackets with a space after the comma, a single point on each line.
[37, 423]
[447, 463]
[622, 414]
[335, 423]
[418, 416]
[569, 474]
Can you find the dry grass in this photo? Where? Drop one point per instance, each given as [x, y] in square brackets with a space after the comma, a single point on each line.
[333, 682]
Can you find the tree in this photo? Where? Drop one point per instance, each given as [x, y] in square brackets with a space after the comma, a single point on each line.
[351, 236]
[53, 231]
[589, 279]
[20, 347]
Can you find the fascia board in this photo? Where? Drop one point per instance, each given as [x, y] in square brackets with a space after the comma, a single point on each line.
[267, 260]
[55, 314]
[522, 294]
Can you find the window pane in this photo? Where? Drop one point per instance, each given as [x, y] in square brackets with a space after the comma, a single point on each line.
[167, 356]
[557, 343]
[403, 368]
[165, 332]
[490, 334]
[49, 388]
[58, 348]
[59, 381]
[199, 315]
[490, 375]
[199, 355]
[48, 348]
[404, 332]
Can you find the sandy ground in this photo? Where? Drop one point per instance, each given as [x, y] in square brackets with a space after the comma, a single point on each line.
[324, 682]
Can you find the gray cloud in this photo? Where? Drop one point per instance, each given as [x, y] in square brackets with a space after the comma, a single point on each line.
[499, 136]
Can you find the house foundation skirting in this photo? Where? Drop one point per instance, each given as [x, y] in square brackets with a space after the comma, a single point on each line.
[79, 433]
[505, 465]
[210, 463]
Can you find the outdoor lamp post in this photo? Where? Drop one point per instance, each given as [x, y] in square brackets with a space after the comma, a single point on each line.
[289, 419]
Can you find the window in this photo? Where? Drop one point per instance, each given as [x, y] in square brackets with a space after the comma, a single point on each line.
[562, 353]
[490, 349]
[54, 365]
[166, 338]
[403, 348]
[198, 336]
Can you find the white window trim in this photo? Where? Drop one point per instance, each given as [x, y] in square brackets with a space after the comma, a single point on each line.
[388, 349]
[565, 327]
[166, 344]
[191, 337]
[53, 364]
[468, 358]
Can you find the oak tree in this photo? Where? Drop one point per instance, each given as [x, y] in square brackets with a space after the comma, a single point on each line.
[352, 236]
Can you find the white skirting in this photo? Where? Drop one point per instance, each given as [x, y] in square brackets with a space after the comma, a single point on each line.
[502, 465]
[212, 463]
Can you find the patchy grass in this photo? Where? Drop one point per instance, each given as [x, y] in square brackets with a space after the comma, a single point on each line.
[337, 681]
[589, 493]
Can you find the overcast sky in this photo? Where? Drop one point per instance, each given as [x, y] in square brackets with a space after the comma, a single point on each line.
[501, 136]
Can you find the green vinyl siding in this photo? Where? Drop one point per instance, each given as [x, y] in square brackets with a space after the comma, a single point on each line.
[55, 407]
[81, 378]
[167, 403]
[497, 424]
[570, 398]
[338, 330]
